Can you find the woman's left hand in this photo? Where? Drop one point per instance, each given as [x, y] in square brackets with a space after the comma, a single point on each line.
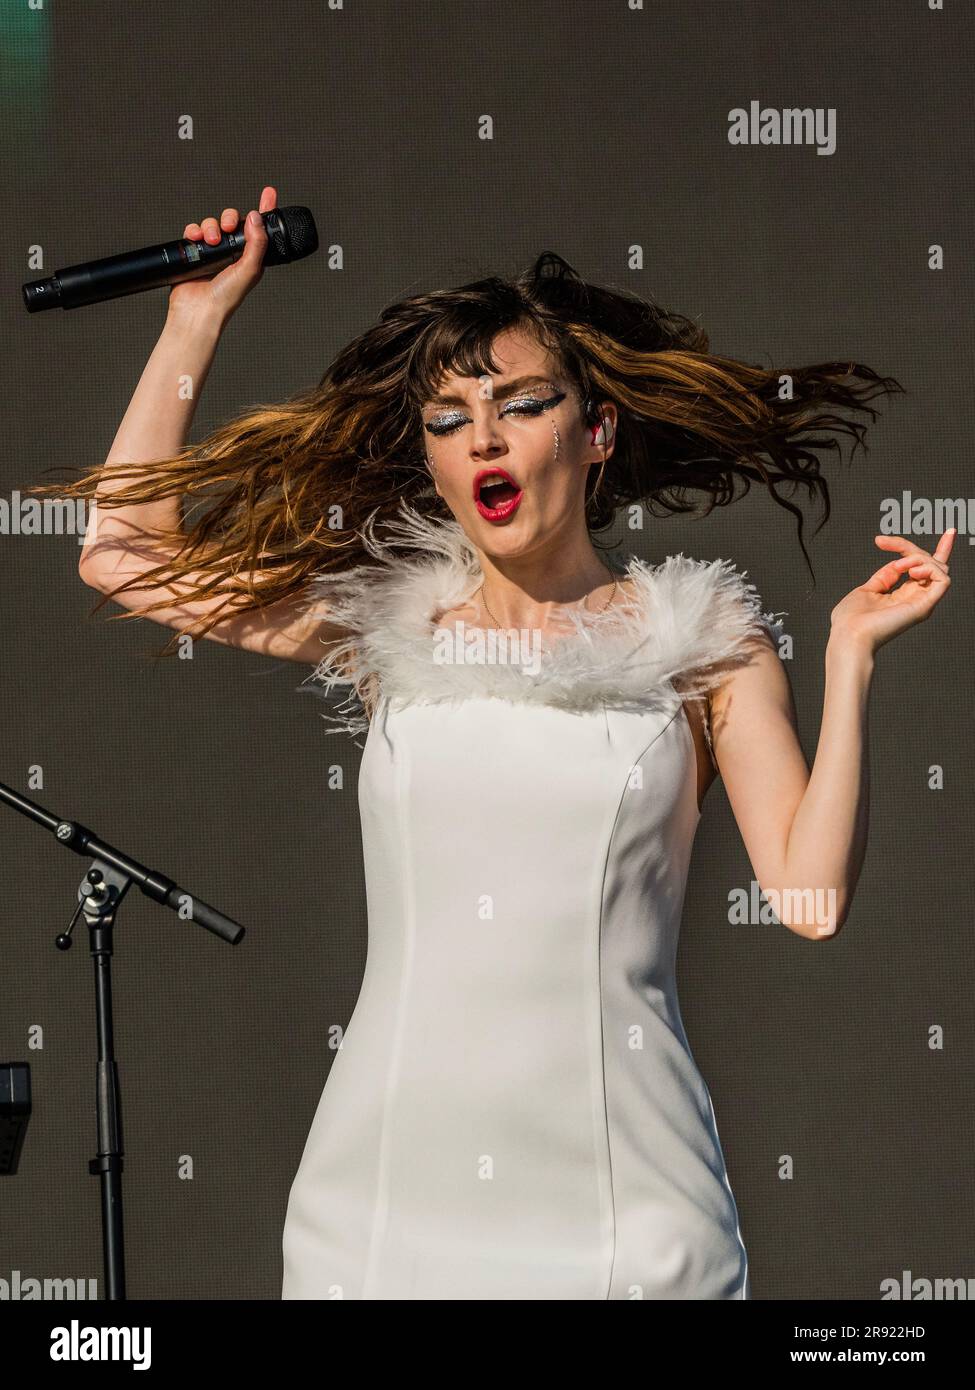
[876, 611]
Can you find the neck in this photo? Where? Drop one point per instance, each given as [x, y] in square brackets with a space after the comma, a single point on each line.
[525, 591]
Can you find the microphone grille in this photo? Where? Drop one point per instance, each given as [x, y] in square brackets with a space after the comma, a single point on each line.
[292, 235]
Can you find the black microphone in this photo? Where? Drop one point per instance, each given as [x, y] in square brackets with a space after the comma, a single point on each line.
[292, 235]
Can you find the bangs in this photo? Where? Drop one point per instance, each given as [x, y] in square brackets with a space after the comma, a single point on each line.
[459, 343]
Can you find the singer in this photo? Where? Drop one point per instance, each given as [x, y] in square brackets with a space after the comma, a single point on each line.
[515, 1111]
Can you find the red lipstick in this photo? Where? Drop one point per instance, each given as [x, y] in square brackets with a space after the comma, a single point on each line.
[496, 494]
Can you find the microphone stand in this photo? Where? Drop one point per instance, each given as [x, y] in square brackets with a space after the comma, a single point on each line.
[108, 879]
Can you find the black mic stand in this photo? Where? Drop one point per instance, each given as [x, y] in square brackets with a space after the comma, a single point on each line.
[108, 879]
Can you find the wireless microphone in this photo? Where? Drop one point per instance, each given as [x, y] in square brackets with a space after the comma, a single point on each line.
[292, 235]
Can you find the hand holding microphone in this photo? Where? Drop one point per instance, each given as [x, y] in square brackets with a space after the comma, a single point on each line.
[209, 252]
[222, 293]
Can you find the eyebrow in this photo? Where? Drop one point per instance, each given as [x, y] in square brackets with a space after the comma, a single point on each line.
[499, 393]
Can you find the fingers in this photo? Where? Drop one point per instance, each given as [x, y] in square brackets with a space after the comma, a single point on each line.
[916, 566]
[943, 548]
[929, 573]
[884, 579]
[919, 567]
[211, 230]
[900, 543]
[911, 562]
[231, 284]
[255, 238]
[941, 553]
[254, 230]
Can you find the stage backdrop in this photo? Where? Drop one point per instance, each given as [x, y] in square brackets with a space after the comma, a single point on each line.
[436, 142]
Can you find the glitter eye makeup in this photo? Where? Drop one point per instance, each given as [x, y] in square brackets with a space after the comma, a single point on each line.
[529, 403]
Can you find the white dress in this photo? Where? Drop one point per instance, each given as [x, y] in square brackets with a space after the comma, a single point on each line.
[515, 1112]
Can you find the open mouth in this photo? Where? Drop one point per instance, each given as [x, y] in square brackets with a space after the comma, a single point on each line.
[496, 494]
[493, 494]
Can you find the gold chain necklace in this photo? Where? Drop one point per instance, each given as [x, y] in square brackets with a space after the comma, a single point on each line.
[480, 590]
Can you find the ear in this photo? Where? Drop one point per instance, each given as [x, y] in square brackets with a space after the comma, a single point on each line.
[601, 436]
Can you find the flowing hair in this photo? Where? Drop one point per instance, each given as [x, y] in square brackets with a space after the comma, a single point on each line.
[296, 484]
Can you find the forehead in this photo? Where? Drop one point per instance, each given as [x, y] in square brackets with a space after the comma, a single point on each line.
[515, 355]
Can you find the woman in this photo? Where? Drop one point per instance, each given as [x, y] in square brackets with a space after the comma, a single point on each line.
[515, 1111]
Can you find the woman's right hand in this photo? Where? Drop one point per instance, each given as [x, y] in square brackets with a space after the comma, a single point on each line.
[217, 296]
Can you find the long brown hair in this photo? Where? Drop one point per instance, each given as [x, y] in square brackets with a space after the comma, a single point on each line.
[296, 482]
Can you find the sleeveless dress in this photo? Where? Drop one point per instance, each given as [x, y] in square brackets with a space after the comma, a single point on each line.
[514, 1111]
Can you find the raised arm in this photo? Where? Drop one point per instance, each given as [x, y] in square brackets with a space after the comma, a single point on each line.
[127, 540]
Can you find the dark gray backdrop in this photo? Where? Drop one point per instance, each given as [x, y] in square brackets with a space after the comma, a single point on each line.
[610, 130]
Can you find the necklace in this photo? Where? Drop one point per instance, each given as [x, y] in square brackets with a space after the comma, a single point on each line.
[480, 590]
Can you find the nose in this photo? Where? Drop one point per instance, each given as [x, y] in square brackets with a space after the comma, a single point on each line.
[487, 441]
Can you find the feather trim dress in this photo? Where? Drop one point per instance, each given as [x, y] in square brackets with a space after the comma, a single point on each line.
[515, 1111]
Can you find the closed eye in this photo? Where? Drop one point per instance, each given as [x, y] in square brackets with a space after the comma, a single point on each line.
[524, 405]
